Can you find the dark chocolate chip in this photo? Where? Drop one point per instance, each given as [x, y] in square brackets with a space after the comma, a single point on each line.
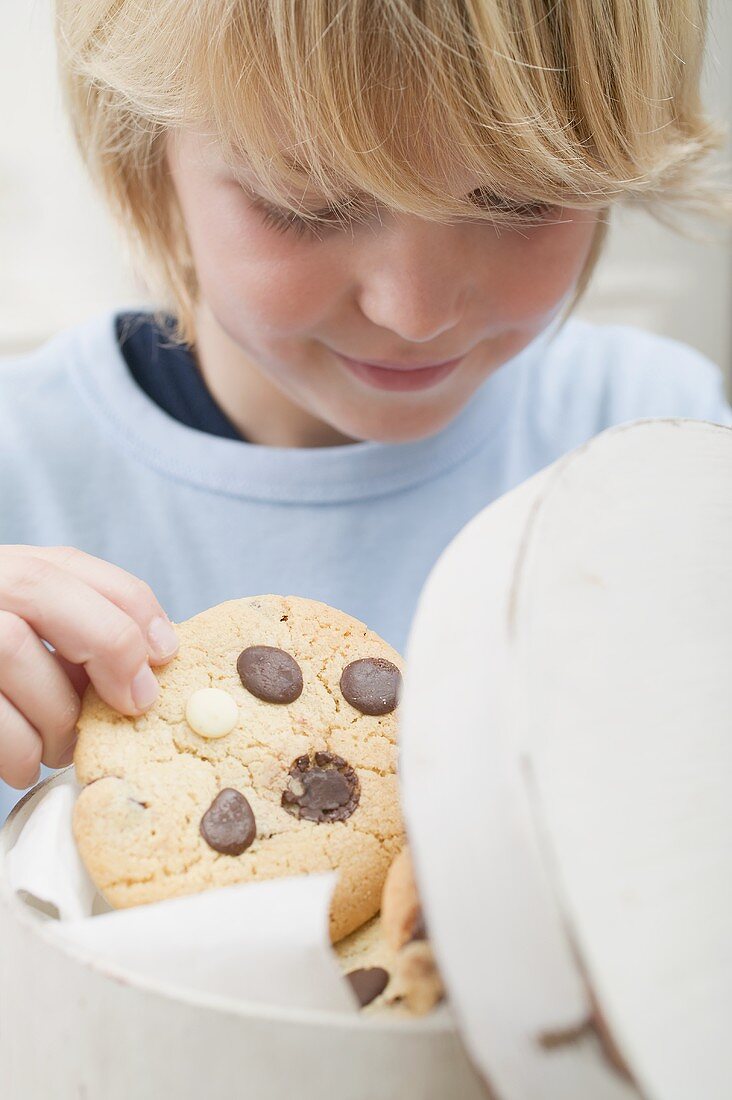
[368, 983]
[371, 685]
[324, 788]
[270, 673]
[228, 825]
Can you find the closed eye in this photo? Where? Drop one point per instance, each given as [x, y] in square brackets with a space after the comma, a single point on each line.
[490, 200]
[334, 216]
[341, 215]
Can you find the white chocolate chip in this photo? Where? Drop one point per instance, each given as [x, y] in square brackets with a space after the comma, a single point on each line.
[211, 712]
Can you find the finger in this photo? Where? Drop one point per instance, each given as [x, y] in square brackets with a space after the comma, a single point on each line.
[76, 674]
[126, 591]
[85, 627]
[34, 682]
[20, 748]
[79, 680]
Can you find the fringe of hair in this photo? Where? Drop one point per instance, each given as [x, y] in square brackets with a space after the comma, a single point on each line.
[583, 103]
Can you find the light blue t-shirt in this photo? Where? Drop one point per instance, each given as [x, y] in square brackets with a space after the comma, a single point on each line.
[88, 460]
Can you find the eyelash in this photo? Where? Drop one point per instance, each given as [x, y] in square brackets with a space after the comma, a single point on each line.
[284, 221]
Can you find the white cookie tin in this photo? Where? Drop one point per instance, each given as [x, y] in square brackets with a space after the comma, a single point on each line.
[72, 1029]
[566, 771]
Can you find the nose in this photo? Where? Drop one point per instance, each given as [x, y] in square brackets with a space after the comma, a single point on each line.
[416, 279]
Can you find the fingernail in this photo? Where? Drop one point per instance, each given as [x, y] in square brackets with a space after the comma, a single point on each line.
[163, 638]
[144, 688]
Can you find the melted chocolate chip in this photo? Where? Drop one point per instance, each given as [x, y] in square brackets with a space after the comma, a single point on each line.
[270, 673]
[325, 788]
[228, 825]
[371, 685]
[368, 983]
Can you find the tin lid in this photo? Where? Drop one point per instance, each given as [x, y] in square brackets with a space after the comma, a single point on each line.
[567, 771]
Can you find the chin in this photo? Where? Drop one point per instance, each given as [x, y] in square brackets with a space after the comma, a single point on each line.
[404, 428]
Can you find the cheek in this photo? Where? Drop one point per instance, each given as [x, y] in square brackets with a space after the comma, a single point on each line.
[541, 268]
[251, 275]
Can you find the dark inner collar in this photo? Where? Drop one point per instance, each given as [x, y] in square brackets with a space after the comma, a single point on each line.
[168, 373]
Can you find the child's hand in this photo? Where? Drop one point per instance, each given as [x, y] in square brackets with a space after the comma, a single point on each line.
[105, 626]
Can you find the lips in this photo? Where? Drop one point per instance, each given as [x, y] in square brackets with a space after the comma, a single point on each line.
[398, 377]
[385, 364]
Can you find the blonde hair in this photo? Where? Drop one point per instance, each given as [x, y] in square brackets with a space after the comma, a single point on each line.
[582, 103]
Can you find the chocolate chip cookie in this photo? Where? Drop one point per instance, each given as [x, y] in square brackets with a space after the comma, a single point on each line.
[270, 751]
[388, 962]
[367, 962]
[415, 979]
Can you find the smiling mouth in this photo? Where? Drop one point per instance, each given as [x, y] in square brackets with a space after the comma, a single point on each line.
[398, 378]
[384, 364]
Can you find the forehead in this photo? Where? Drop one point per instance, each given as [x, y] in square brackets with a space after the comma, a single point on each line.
[207, 150]
[289, 170]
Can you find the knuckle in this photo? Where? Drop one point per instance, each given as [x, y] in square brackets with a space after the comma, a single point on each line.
[25, 574]
[14, 635]
[67, 554]
[139, 597]
[123, 643]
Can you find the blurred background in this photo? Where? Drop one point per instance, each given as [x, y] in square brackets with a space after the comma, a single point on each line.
[62, 260]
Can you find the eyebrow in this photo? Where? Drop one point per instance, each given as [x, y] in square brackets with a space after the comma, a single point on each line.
[350, 196]
[299, 165]
[265, 200]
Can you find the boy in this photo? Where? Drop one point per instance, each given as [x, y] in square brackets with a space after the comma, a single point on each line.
[368, 223]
